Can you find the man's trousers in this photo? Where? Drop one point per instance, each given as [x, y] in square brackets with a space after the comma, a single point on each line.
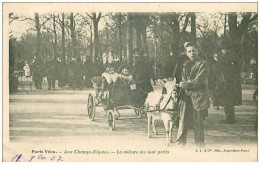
[190, 118]
[230, 113]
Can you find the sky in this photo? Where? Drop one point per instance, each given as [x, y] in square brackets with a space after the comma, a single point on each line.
[18, 28]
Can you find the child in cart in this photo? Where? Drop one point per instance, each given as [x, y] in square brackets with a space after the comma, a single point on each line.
[110, 79]
[116, 87]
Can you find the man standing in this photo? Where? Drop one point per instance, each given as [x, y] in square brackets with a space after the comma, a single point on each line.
[212, 80]
[76, 73]
[194, 102]
[37, 71]
[73, 73]
[142, 75]
[51, 69]
[149, 68]
[228, 85]
[87, 71]
[61, 72]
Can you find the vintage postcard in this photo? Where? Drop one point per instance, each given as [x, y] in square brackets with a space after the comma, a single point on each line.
[149, 82]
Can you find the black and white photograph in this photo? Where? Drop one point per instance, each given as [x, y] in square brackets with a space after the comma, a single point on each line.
[129, 82]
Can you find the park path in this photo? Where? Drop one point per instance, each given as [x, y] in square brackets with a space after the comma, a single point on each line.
[61, 115]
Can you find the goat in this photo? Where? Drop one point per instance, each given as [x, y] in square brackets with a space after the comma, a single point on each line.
[165, 104]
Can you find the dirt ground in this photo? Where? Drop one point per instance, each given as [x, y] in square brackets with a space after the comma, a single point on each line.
[60, 117]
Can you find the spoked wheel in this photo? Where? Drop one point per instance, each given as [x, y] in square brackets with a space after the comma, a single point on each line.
[139, 113]
[111, 119]
[91, 107]
[155, 123]
[118, 115]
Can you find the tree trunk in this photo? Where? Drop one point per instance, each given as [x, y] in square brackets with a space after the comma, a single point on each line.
[144, 39]
[69, 46]
[176, 36]
[185, 23]
[193, 27]
[55, 37]
[238, 33]
[78, 45]
[77, 41]
[38, 42]
[73, 37]
[232, 23]
[96, 41]
[96, 36]
[120, 35]
[138, 32]
[63, 37]
[91, 41]
[161, 45]
[130, 38]
[115, 48]
[108, 50]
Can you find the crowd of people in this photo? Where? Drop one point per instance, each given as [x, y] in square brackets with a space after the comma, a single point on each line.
[76, 74]
[218, 78]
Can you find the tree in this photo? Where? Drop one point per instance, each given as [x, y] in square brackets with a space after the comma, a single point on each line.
[96, 19]
[130, 37]
[225, 24]
[73, 36]
[140, 23]
[55, 36]
[160, 35]
[193, 26]
[120, 35]
[115, 30]
[37, 22]
[12, 54]
[238, 32]
[171, 31]
[62, 26]
[87, 19]
[37, 27]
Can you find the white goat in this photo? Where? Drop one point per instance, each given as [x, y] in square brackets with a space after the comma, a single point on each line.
[166, 103]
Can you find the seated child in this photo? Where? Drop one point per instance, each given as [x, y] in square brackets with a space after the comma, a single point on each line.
[109, 78]
[110, 75]
[125, 75]
[121, 93]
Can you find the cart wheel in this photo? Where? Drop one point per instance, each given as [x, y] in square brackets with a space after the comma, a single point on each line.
[111, 119]
[91, 107]
[155, 123]
[138, 113]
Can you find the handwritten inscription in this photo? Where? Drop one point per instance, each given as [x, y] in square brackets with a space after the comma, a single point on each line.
[36, 158]
[54, 156]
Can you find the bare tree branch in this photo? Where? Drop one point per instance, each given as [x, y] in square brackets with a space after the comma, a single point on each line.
[182, 16]
[99, 16]
[44, 22]
[89, 15]
[185, 23]
[26, 19]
